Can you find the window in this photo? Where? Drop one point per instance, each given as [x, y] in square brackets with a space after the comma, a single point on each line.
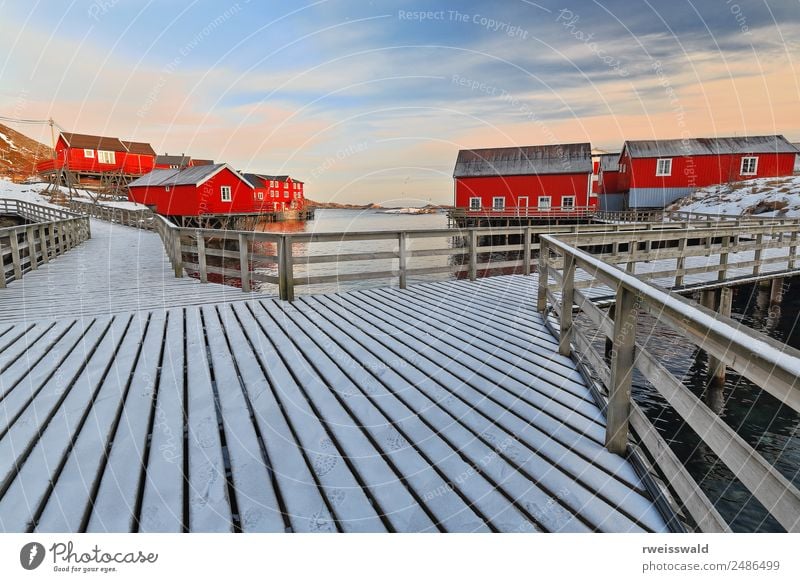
[749, 166]
[568, 202]
[285, 194]
[88, 153]
[166, 188]
[474, 203]
[499, 203]
[105, 157]
[225, 193]
[664, 167]
[260, 195]
[544, 202]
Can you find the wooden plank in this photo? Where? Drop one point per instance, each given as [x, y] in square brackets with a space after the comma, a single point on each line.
[115, 505]
[622, 359]
[256, 500]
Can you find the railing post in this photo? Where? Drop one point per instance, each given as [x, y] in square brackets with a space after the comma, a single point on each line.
[567, 299]
[681, 262]
[541, 298]
[622, 360]
[43, 243]
[285, 269]
[31, 240]
[2, 268]
[244, 263]
[758, 253]
[632, 250]
[723, 259]
[177, 254]
[473, 254]
[526, 251]
[792, 250]
[401, 254]
[201, 257]
[15, 254]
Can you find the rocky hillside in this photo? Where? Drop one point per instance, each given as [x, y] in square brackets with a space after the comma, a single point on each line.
[19, 154]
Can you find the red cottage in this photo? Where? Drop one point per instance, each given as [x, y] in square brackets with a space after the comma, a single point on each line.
[610, 197]
[195, 191]
[167, 161]
[277, 193]
[539, 181]
[91, 156]
[655, 173]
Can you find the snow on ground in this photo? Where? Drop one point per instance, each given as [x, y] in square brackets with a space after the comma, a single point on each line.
[763, 197]
[8, 140]
[33, 193]
[412, 210]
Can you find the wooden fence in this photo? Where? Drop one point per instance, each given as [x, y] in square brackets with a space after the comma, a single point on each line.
[50, 232]
[135, 218]
[772, 366]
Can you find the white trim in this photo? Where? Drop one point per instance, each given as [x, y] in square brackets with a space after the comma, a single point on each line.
[527, 202]
[755, 166]
[218, 170]
[473, 199]
[104, 155]
[88, 153]
[669, 167]
[572, 205]
[225, 193]
[501, 199]
[549, 200]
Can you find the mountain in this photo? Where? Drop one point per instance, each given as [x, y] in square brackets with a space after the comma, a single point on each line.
[19, 154]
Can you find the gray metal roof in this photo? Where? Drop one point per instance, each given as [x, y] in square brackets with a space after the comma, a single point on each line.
[191, 176]
[609, 163]
[168, 160]
[709, 146]
[256, 180]
[517, 161]
[154, 178]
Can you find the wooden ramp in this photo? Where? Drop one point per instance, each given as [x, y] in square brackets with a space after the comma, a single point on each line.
[120, 269]
[445, 407]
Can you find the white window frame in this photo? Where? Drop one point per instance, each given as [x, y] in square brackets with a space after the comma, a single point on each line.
[472, 205]
[547, 206]
[225, 193]
[668, 163]
[103, 156]
[260, 195]
[747, 160]
[570, 205]
[88, 153]
[496, 206]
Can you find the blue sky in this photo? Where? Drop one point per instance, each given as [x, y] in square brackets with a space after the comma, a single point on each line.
[370, 101]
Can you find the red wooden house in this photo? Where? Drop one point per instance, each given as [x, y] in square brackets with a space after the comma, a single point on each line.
[654, 173]
[609, 195]
[167, 161]
[94, 155]
[195, 191]
[540, 181]
[277, 193]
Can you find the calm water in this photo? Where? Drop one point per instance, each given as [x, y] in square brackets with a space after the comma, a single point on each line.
[758, 417]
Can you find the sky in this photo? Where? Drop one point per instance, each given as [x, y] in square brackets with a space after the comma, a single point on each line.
[371, 101]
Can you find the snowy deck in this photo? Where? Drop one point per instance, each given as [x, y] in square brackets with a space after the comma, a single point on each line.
[120, 269]
[444, 407]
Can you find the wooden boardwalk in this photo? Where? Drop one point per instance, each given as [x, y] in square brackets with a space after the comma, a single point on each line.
[120, 269]
[444, 407]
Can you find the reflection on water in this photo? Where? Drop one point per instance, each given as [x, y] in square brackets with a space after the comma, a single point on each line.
[761, 420]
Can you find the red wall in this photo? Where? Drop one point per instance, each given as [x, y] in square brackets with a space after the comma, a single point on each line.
[206, 198]
[144, 194]
[699, 171]
[610, 183]
[76, 160]
[553, 185]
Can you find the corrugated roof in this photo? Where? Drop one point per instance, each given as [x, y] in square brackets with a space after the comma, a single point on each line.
[516, 161]
[168, 160]
[197, 162]
[709, 146]
[256, 180]
[154, 178]
[93, 142]
[609, 163]
[139, 147]
[191, 176]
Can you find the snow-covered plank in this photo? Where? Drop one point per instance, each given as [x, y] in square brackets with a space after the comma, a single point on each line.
[27, 352]
[162, 501]
[114, 507]
[69, 503]
[385, 484]
[209, 505]
[305, 507]
[27, 493]
[256, 500]
[353, 510]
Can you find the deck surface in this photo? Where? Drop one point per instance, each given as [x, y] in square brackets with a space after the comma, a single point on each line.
[444, 407]
[120, 269]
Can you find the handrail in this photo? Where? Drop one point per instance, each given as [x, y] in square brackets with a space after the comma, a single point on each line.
[50, 232]
[772, 366]
[142, 218]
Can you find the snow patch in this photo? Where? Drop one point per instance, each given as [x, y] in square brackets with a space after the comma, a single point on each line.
[767, 197]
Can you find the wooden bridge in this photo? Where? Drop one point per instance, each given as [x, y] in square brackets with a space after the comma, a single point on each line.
[135, 400]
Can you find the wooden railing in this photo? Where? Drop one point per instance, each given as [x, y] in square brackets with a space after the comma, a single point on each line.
[524, 211]
[50, 232]
[252, 260]
[143, 218]
[772, 366]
